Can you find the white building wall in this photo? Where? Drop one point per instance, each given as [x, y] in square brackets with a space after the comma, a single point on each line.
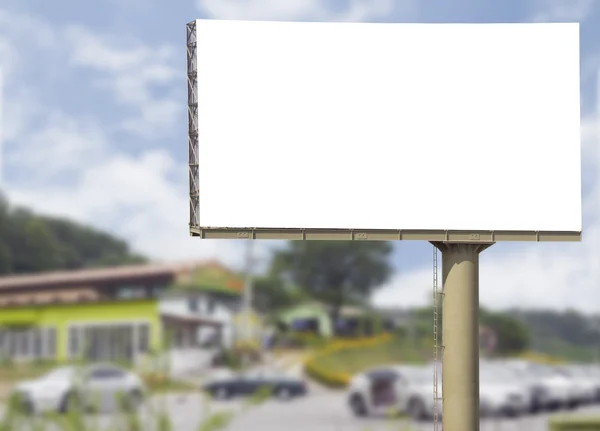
[180, 306]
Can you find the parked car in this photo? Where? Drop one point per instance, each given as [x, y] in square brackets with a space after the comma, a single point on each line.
[584, 384]
[569, 388]
[96, 386]
[396, 389]
[593, 372]
[228, 385]
[500, 393]
[545, 391]
[576, 391]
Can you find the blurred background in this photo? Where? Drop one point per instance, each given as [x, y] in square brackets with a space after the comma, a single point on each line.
[97, 268]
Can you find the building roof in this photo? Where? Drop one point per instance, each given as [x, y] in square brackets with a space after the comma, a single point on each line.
[210, 276]
[96, 275]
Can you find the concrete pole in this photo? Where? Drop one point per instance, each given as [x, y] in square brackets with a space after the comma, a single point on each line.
[460, 335]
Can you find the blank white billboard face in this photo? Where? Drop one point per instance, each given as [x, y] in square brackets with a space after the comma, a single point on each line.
[389, 126]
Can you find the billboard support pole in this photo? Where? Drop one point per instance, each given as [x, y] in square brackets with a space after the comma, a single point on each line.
[460, 335]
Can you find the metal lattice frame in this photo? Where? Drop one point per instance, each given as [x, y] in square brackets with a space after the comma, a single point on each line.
[192, 88]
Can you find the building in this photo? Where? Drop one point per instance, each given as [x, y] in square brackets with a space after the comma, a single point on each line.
[119, 313]
[210, 298]
[316, 317]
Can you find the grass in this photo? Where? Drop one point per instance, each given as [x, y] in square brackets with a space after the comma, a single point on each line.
[159, 383]
[12, 372]
[355, 360]
[124, 419]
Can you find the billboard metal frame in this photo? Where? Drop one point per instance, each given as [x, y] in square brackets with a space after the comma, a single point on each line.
[192, 102]
[382, 235]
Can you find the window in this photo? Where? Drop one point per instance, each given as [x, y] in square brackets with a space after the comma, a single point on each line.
[38, 347]
[131, 292]
[74, 343]
[50, 343]
[193, 305]
[144, 337]
[109, 342]
[3, 347]
[210, 305]
[157, 291]
[27, 342]
[106, 373]
[24, 342]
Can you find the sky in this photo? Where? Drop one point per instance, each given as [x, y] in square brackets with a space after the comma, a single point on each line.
[93, 128]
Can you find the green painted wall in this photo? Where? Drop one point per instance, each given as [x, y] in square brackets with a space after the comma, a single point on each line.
[61, 316]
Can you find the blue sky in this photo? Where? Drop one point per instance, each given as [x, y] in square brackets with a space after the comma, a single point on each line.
[95, 128]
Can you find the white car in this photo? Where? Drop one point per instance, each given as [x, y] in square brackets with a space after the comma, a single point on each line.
[593, 373]
[548, 389]
[393, 389]
[566, 389]
[584, 386]
[94, 386]
[500, 394]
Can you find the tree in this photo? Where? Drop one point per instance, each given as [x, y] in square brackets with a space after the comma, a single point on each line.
[32, 243]
[271, 294]
[512, 335]
[335, 272]
[567, 333]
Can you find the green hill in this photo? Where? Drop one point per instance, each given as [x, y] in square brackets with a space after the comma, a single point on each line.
[32, 243]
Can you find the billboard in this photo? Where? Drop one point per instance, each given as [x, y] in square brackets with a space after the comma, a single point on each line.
[313, 130]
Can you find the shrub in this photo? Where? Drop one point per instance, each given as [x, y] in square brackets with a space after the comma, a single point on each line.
[540, 358]
[314, 364]
[575, 424]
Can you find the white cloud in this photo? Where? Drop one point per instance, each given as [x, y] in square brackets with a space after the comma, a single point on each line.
[562, 10]
[135, 198]
[64, 141]
[136, 75]
[356, 10]
[536, 275]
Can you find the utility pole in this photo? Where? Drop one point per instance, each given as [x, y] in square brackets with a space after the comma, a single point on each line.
[247, 296]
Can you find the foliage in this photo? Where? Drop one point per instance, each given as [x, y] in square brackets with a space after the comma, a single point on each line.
[239, 356]
[34, 243]
[335, 272]
[568, 333]
[335, 365]
[574, 423]
[300, 340]
[540, 358]
[512, 335]
[271, 294]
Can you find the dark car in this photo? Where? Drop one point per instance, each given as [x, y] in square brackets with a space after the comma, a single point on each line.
[251, 382]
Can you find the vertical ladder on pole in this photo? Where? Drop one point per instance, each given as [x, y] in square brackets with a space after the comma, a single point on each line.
[437, 348]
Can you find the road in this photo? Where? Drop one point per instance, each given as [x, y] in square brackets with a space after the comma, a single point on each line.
[324, 411]
[328, 412]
